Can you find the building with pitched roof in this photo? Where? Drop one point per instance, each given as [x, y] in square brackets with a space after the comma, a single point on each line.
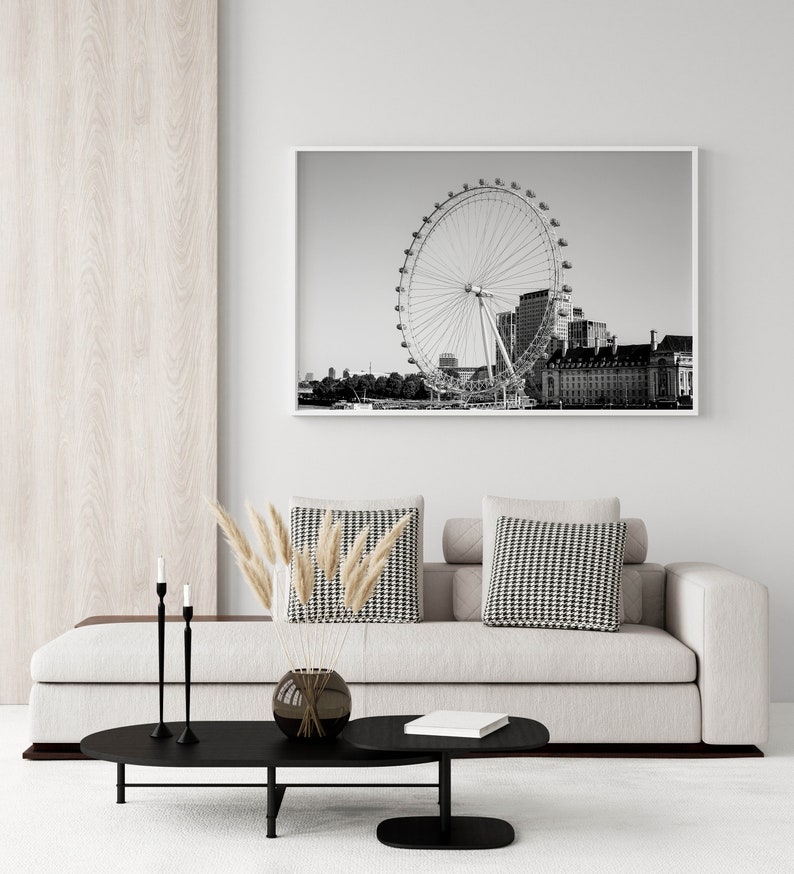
[639, 374]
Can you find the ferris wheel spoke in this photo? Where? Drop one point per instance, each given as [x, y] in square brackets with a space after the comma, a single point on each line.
[520, 263]
[526, 255]
[437, 316]
[504, 227]
[508, 257]
[438, 248]
[434, 345]
[436, 270]
[437, 319]
[490, 232]
[459, 238]
[518, 227]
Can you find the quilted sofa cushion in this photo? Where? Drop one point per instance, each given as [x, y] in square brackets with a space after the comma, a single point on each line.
[429, 652]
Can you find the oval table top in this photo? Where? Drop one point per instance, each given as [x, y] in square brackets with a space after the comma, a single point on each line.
[386, 733]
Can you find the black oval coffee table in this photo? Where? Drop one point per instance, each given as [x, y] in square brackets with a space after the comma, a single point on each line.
[229, 744]
[444, 832]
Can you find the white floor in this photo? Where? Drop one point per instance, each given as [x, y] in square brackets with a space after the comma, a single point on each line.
[570, 815]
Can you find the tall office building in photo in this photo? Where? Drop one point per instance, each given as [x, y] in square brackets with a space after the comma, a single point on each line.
[531, 311]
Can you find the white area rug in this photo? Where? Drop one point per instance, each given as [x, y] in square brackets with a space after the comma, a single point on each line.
[570, 815]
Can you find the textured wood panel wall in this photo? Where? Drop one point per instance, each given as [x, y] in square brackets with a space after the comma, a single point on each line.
[108, 225]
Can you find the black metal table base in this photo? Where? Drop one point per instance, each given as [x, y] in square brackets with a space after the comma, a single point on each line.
[275, 790]
[462, 833]
[445, 832]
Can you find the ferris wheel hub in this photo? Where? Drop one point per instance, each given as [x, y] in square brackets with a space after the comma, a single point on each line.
[476, 290]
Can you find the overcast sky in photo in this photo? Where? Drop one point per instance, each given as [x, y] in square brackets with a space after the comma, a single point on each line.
[626, 215]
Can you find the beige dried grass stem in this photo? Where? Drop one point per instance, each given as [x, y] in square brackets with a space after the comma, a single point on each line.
[234, 536]
[303, 575]
[353, 571]
[321, 552]
[260, 526]
[281, 535]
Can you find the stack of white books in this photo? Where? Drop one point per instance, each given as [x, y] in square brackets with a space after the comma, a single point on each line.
[456, 723]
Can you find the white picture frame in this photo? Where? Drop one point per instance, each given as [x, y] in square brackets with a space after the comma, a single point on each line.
[628, 214]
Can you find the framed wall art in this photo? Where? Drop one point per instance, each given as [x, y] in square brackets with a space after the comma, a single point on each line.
[496, 281]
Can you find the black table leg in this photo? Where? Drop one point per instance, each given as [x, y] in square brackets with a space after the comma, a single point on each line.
[120, 783]
[275, 795]
[445, 832]
[445, 793]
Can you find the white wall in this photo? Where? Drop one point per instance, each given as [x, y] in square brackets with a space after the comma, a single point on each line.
[506, 72]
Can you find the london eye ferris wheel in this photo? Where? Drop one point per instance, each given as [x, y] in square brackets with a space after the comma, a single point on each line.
[462, 284]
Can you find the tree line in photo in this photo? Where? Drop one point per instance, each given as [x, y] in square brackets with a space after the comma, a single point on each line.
[367, 386]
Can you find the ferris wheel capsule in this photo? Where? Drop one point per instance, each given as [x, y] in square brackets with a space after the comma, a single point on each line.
[530, 194]
[436, 204]
[399, 326]
[465, 186]
[562, 241]
[411, 361]
[543, 205]
[567, 265]
[483, 182]
[450, 194]
[515, 186]
[404, 344]
[567, 289]
[425, 219]
[555, 223]
[401, 270]
[498, 181]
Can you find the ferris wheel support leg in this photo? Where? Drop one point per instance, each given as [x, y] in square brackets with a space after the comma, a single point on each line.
[485, 345]
[498, 338]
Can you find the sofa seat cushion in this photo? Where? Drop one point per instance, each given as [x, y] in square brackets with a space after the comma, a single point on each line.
[429, 652]
[455, 652]
[222, 652]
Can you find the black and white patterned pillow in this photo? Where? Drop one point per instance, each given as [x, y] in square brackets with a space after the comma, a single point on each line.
[396, 596]
[556, 575]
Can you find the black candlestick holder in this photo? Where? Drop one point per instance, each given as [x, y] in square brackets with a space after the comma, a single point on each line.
[161, 729]
[187, 736]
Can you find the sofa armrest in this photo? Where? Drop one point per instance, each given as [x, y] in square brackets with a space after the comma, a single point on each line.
[724, 619]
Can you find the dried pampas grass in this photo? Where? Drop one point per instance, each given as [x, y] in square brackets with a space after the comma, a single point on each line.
[359, 572]
[263, 533]
[303, 576]
[280, 535]
[362, 581]
[328, 542]
[251, 565]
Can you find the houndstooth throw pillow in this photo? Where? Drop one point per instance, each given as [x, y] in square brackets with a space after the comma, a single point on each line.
[396, 596]
[556, 575]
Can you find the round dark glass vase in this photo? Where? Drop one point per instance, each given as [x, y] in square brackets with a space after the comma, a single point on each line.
[311, 705]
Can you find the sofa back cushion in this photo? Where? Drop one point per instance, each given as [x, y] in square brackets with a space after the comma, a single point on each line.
[462, 541]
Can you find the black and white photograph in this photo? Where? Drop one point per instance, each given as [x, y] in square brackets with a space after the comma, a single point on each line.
[496, 281]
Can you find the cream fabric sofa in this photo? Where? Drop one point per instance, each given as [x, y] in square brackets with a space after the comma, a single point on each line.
[694, 668]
